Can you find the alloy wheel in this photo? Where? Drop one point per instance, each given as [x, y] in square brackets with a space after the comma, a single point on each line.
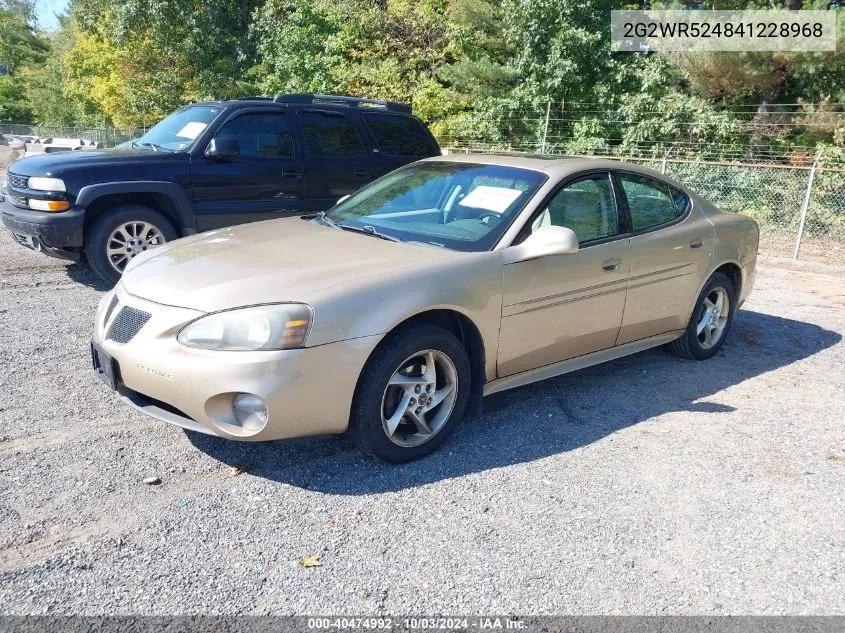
[419, 398]
[711, 326]
[131, 239]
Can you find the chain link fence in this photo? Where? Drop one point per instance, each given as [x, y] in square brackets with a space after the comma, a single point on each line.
[109, 137]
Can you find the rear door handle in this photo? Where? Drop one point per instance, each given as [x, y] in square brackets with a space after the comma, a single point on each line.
[291, 173]
[362, 173]
[611, 265]
[696, 243]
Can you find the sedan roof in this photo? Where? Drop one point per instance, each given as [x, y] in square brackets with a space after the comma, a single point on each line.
[555, 166]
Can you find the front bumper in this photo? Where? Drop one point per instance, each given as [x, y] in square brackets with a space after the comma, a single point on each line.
[55, 234]
[307, 391]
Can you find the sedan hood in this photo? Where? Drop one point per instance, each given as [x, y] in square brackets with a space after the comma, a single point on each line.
[265, 262]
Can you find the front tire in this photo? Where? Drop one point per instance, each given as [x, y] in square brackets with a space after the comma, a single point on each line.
[711, 320]
[120, 234]
[411, 395]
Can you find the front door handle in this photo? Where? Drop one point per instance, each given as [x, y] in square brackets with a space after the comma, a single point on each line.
[611, 265]
[291, 173]
[362, 173]
[696, 243]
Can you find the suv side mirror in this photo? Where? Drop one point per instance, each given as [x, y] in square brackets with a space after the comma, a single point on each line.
[222, 148]
[545, 241]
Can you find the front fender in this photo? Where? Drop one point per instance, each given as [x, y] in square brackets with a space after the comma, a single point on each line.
[468, 283]
[174, 192]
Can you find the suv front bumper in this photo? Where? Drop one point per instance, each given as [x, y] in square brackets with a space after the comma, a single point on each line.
[55, 234]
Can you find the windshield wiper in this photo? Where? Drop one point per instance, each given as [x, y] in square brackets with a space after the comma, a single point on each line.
[369, 230]
[322, 217]
[153, 146]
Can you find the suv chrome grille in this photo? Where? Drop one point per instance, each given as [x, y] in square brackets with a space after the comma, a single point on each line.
[18, 182]
[127, 324]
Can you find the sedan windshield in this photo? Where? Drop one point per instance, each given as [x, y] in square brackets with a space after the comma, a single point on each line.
[461, 206]
[179, 131]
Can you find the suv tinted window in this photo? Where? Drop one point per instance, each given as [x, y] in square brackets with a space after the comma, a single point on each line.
[329, 134]
[649, 201]
[586, 206]
[399, 136]
[260, 134]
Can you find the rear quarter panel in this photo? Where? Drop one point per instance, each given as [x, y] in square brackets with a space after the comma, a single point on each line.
[737, 241]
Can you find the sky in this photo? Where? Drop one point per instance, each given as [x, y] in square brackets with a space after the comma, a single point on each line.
[46, 11]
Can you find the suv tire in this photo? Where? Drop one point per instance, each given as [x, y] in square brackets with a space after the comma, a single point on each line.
[127, 228]
[421, 371]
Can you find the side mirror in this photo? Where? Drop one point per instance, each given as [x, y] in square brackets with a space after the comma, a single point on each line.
[222, 148]
[343, 199]
[545, 241]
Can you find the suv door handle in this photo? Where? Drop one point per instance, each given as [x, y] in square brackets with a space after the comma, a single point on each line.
[696, 243]
[611, 265]
[362, 173]
[291, 173]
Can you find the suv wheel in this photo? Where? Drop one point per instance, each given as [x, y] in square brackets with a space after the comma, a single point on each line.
[411, 394]
[121, 234]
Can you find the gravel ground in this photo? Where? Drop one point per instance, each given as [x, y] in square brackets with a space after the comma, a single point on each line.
[649, 485]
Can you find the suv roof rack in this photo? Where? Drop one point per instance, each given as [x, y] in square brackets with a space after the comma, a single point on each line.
[252, 99]
[354, 102]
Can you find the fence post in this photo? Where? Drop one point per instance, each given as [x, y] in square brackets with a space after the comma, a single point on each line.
[805, 206]
[663, 162]
[545, 128]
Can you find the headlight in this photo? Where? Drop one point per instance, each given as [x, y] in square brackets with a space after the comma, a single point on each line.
[46, 184]
[270, 327]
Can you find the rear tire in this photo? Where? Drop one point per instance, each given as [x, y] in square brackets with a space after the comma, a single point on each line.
[411, 394]
[711, 320]
[128, 229]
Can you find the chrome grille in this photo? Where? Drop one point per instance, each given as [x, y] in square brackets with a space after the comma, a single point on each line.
[127, 324]
[110, 309]
[18, 182]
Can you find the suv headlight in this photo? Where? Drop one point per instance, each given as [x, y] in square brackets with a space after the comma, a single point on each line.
[46, 184]
[269, 327]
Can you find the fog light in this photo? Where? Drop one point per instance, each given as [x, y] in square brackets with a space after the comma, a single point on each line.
[250, 411]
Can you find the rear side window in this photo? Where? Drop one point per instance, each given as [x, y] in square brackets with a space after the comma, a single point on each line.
[329, 134]
[260, 135]
[399, 136]
[681, 199]
[649, 201]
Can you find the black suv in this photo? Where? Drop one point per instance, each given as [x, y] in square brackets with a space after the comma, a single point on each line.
[206, 166]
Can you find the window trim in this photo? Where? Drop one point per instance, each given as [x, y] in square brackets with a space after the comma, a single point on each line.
[621, 221]
[623, 199]
[336, 114]
[256, 110]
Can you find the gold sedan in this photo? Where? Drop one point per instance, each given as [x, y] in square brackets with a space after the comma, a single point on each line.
[391, 315]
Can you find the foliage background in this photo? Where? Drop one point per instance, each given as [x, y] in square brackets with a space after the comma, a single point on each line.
[472, 69]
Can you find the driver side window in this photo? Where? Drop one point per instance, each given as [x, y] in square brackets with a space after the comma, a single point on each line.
[260, 135]
[586, 206]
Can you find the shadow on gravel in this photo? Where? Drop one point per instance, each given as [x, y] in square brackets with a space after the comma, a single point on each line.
[82, 273]
[546, 418]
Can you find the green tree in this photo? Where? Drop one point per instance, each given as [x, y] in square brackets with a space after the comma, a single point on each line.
[19, 46]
